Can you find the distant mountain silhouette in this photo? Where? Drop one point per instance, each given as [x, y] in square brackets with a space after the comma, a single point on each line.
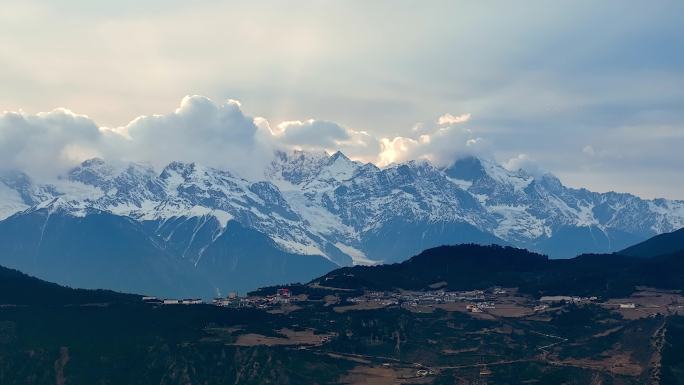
[17, 288]
[662, 244]
[102, 250]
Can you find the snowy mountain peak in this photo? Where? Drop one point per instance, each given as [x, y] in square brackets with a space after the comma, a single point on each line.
[339, 168]
[317, 203]
[338, 155]
[472, 169]
[548, 183]
[296, 167]
[97, 172]
[301, 167]
[181, 169]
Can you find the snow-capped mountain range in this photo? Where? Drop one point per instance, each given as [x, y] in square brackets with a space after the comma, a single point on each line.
[342, 211]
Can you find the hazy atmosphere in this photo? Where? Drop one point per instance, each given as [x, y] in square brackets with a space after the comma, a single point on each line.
[591, 91]
[341, 192]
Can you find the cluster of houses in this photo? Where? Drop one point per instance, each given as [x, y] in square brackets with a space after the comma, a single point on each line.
[578, 300]
[480, 306]
[425, 298]
[282, 296]
[231, 300]
[479, 299]
[171, 301]
[566, 298]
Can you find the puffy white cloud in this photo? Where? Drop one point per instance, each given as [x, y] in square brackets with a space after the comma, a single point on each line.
[200, 130]
[312, 133]
[589, 150]
[324, 135]
[47, 143]
[447, 119]
[524, 162]
[214, 134]
[599, 153]
[441, 145]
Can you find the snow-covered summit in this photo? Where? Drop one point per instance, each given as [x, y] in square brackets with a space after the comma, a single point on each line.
[328, 204]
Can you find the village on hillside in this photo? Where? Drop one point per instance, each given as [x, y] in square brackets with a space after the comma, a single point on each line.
[490, 302]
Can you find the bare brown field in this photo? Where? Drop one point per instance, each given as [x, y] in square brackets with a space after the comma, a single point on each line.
[377, 375]
[458, 351]
[648, 302]
[292, 337]
[510, 310]
[454, 306]
[422, 309]
[614, 362]
[284, 309]
[359, 306]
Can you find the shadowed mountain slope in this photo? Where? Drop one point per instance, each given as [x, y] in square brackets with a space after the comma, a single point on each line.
[667, 243]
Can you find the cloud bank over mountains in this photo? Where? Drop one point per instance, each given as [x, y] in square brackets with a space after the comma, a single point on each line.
[47, 142]
[593, 92]
[215, 134]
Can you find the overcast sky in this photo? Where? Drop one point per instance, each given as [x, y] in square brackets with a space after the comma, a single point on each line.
[592, 91]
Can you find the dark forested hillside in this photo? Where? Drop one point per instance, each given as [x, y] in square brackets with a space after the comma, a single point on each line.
[17, 288]
[339, 330]
[465, 267]
[662, 244]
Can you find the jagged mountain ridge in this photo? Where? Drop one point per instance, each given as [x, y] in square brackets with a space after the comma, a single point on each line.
[319, 204]
[513, 207]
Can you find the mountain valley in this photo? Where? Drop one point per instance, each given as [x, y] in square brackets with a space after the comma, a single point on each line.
[451, 315]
